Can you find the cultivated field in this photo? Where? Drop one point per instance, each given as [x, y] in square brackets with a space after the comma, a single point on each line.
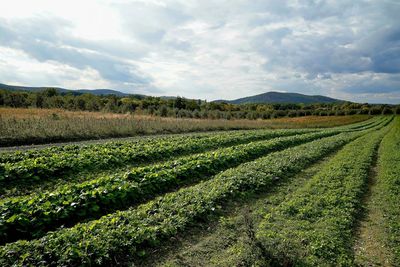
[19, 126]
[280, 197]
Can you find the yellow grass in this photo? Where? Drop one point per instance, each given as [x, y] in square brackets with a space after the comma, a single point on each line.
[27, 126]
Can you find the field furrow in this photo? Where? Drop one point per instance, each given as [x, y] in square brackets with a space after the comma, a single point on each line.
[230, 241]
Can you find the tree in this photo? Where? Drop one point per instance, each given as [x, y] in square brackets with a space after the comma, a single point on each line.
[179, 103]
[79, 103]
[163, 111]
[397, 110]
[50, 92]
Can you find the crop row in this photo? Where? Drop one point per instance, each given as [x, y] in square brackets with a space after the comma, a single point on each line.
[381, 120]
[130, 232]
[314, 227]
[36, 165]
[362, 124]
[388, 181]
[19, 155]
[33, 215]
[118, 154]
[16, 156]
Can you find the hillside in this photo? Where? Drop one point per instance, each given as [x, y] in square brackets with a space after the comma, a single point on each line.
[63, 90]
[277, 97]
[269, 97]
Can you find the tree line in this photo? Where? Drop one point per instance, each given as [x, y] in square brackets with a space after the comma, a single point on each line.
[182, 107]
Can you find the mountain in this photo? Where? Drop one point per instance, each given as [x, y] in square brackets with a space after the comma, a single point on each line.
[101, 92]
[63, 90]
[277, 97]
[269, 97]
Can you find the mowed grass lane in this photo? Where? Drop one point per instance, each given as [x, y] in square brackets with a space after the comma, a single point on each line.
[388, 191]
[315, 226]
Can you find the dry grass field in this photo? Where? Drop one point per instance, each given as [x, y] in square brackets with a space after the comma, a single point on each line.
[20, 126]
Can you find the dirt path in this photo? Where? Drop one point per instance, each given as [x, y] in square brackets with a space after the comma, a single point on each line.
[370, 248]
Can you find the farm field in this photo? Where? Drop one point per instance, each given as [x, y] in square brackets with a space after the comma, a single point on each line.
[23, 126]
[303, 196]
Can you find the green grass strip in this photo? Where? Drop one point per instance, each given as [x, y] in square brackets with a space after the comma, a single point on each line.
[314, 227]
[388, 182]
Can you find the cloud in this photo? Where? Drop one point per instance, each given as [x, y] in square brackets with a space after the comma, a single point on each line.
[207, 49]
[52, 43]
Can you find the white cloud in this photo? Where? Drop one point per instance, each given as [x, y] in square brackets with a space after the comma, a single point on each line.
[205, 49]
[27, 71]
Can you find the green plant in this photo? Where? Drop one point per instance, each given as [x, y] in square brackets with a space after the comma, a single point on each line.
[389, 184]
[34, 166]
[314, 227]
[32, 215]
[133, 230]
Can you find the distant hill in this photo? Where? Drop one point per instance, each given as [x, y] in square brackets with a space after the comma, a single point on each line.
[63, 90]
[277, 97]
[269, 97]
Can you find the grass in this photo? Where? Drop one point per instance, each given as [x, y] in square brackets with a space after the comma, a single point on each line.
[384, 207]
[370, 248]
[227, 240]
[19, 126]
[232, 241]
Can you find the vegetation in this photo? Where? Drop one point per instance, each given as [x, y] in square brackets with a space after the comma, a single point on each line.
[33, 126]
[33, 166]
[132, 231]
[182, 108]
[31, 216]
[175, 182]
[314, 227]
[228, 239]
[388, 182]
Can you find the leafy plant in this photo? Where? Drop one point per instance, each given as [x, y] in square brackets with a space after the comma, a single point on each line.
[34, 166]
[133, 230]
[38, 213]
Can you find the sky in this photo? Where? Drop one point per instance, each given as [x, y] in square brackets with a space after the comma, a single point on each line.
[221, 49]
